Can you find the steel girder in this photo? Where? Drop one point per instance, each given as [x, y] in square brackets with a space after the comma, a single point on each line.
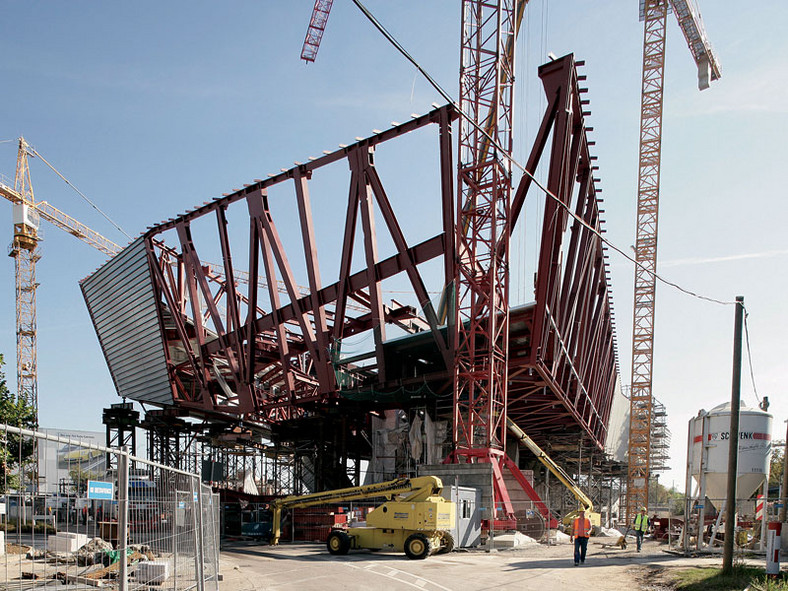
[231, 352]
[259, 348]
[565, 373]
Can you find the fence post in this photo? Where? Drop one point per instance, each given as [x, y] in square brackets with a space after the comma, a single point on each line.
[197, 525]
[216, 518]
[175, 535]
[200, 535]
[123, 515]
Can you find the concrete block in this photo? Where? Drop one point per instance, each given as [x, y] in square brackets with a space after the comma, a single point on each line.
[154, 571]
[66, 542]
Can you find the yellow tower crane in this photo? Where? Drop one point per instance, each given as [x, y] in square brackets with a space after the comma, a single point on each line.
[25, 252]
[654, 15]
[24, 249]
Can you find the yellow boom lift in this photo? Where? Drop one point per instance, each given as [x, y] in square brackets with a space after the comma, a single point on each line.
[415, 518]
[557, 471]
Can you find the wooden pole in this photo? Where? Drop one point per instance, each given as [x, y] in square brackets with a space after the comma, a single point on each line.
[783, 498]
[733, 450]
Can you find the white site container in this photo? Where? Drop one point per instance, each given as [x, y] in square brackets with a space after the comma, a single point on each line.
[755, 450]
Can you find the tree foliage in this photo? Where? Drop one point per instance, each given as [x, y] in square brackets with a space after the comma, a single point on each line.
[16, 453]
[662, 496]
[777, 464]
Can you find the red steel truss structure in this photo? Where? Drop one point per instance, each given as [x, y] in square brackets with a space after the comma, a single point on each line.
[569, 341]
[259, 348]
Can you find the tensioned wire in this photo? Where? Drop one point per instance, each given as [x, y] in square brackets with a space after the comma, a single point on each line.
[447, 97]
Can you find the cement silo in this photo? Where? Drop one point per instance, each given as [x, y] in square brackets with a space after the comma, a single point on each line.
[709, 466]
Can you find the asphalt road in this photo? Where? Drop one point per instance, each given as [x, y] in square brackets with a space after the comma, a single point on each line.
[308, 567]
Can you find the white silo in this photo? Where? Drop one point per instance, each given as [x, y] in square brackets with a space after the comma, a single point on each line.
[755, 450]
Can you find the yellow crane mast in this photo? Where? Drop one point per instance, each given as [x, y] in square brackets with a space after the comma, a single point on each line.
[25, 252]
[24, 249]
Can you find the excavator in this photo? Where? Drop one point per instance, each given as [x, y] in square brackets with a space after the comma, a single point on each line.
[414, 519]
[557, 471]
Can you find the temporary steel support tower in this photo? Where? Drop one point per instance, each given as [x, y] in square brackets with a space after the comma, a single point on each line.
[654, 14]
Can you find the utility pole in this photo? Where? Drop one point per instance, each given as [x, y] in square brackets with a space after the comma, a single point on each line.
[784, 492]
[733, 450]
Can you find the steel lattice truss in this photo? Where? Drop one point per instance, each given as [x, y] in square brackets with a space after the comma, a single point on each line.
[565, 371]
[262, 349]
[272, 359]
[24, 250]
[482, 247]
[646, 256]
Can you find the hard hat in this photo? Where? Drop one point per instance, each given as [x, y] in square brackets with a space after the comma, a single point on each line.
[643, 509]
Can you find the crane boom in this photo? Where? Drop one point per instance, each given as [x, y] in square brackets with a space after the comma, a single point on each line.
[314, 33]
[691, 25]
[62, 220]
[550, 464]
[412, 490]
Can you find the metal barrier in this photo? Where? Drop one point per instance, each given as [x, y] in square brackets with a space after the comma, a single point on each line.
[89, 515]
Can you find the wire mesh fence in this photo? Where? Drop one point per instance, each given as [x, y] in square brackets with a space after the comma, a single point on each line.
[82, 514]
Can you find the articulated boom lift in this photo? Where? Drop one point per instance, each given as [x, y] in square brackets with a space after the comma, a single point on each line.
[415, 518]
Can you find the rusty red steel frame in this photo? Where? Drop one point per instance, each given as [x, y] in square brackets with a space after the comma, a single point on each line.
[572, 345]
[267, 360]
[268, 350]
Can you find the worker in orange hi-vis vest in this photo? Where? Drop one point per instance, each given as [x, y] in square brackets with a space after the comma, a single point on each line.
[581, 530]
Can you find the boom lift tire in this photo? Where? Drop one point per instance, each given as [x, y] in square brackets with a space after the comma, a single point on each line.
[338, 543]
[417, 546]
[447, 542]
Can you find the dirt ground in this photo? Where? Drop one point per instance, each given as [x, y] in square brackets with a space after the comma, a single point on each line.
[307, 567]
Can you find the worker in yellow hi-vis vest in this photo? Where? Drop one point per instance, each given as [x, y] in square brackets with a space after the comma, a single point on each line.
[641, 526]
[581, 530]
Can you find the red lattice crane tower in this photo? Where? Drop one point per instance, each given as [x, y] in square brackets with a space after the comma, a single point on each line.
[482, 239]
[654, 15]
[314, 33]
[481, 327]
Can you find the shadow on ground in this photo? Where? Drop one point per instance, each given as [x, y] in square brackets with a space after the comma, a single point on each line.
[591, 562]
[310, 553]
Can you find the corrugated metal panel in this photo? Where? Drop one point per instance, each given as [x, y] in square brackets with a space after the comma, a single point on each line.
[122, 305]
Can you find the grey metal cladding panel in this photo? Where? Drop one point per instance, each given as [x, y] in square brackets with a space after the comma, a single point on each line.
[122, 304]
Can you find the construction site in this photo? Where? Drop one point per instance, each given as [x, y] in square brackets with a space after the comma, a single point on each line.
[407, 343]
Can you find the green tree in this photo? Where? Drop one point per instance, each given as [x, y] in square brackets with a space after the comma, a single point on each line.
[662, 496]
[16, 453]
[777, 464]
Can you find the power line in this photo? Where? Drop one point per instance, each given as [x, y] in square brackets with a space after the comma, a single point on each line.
[749, 356]
[80, 193]
[522, 168]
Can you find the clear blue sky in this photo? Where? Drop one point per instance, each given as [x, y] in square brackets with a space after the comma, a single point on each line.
[153, 107]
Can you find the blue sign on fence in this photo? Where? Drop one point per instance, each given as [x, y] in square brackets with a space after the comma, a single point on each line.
[100, 491]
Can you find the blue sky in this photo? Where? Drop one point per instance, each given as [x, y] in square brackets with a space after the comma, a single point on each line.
[151, 108]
